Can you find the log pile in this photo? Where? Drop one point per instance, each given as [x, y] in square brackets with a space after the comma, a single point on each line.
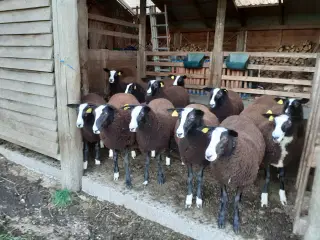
[190, 48]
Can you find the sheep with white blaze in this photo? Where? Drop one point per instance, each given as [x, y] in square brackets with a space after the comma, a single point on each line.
[136, 90]
[192, 144]
[154, 128]
[85, 120]
[224, 103]
[111, 122]
[235, 151]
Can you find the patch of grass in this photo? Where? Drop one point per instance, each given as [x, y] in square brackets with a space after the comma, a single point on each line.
[61, 198]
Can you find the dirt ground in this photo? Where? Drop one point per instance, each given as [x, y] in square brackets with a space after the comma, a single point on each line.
[26, 210]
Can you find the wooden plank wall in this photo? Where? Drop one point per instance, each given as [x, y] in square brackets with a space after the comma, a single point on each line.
[28, 115]
[102, 58]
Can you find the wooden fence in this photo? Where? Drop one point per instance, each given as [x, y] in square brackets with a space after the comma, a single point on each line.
[238, 80]
[28, 115]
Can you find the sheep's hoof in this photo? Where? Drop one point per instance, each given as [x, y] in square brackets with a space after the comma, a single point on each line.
[188, 201]
[221, 224]
[153, 154]
[199, 202]
[283, 198]
[236, 226]
[110, 153]
[85, 165]
[161, 179]
[264, 199]
[133, 154]
[97, 162]
[116, 176]
[128, 184]
[145, 183]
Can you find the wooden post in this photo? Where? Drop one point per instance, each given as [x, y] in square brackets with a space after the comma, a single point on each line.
[141, 67]
[217, 63]
[208, 39]
[83, 44]
[176, 40]
[68, 83]
[240, 41]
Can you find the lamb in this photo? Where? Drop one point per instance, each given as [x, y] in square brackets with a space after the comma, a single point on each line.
[111, 122]
[175, 94]
[224, 103]
[192, 144]
[235, 151]
[85, 121]
[154, 129]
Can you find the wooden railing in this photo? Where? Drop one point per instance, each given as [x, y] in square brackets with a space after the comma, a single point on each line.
[238, 81]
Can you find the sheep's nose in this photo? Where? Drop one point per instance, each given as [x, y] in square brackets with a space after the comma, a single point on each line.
[179, 135]
[132, 129]
[78, 125]
[208, 157]
[96, 131]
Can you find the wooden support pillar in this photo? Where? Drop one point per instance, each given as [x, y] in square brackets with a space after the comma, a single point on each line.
[241, 41]
[207, 43]
[217, 63]
[83, 44]
[68, 83]
[141, 67]
[176, 40]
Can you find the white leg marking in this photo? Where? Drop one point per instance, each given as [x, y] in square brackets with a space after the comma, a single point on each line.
[110, 153]
[168, 161]
[189, 201]
[85, 165]
[116, 176]
[199, 202]
[97, 162]
[182, 163]
[264, 199]
[145, 183]
[101, 144]
[283, 198]
[153, 154]
[133, 154]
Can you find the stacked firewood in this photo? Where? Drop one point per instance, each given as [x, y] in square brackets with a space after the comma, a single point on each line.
[190, 47]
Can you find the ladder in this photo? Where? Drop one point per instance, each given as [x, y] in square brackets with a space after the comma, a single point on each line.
[155, 38]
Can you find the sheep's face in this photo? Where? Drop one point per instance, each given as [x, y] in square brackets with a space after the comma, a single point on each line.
[222, 142]
[283, 126]
[84, 111]
[292, 106]
[190, 118]
[114, 75]
[154, 86]
[131, 88]
[217, 96]
[139, 115]
[178, 80]
[103, 117]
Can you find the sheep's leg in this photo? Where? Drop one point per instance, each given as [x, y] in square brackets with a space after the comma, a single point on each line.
[264, 194]
[189, 184]
[115, 165]
[146, 169]
[199, 188]
[282, 193]
[223, 207]
[85, 154]
[168, 157]
[133, 154]
[153, 153]
[161, 178]
[237, 199]
[127, 168]
[110, 153]
[97, 153]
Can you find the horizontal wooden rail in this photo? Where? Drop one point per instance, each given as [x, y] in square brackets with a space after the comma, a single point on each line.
[171, 64]
[112, 20]
[271, 92]
[164, 74]
[150, 53]
[268, 80]
[277, 54]
[112, 33]
[193, 86]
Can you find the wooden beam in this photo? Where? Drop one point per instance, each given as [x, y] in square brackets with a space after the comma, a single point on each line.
[67, 79]
[240, 41]
[113, 33]
[141, 67]
[281, 8]
[217, 61]
[112, 20]
[83, 44]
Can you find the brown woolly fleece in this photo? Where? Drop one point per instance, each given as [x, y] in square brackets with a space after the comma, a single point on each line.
[175, 94]
[117, 135]
[157, 132]
[241, 168]
[232, 105]
[192, 147]
[86, 131]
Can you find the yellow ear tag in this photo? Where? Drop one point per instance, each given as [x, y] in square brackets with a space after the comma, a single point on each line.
[119, 73]
[280, 102]
[161, 84]
[269, 112]
[174, 114]
[205, 130]
[172, 77]
[89, 110]
[126, 107]
[225, 90]
[271, 118]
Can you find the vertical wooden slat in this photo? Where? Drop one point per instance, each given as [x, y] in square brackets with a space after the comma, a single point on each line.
[141, 68]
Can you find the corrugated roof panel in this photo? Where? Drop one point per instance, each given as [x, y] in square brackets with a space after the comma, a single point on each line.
[255, 3]
[134, 3]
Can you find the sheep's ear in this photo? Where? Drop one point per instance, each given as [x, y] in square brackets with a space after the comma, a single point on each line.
[207, 89]
[184, 76]
[161, 84]
[127, 107]
[232, 133]
[73, 105]
[174, 111]
[224, 90]
[146, 109]
[205, 129]
[269, 115]
[172, 77]
[120, 73]
[303, 100]
[280, 100]
[199, 112]
[106, 70]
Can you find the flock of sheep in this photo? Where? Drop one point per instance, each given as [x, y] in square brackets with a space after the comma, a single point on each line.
[234, 141]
